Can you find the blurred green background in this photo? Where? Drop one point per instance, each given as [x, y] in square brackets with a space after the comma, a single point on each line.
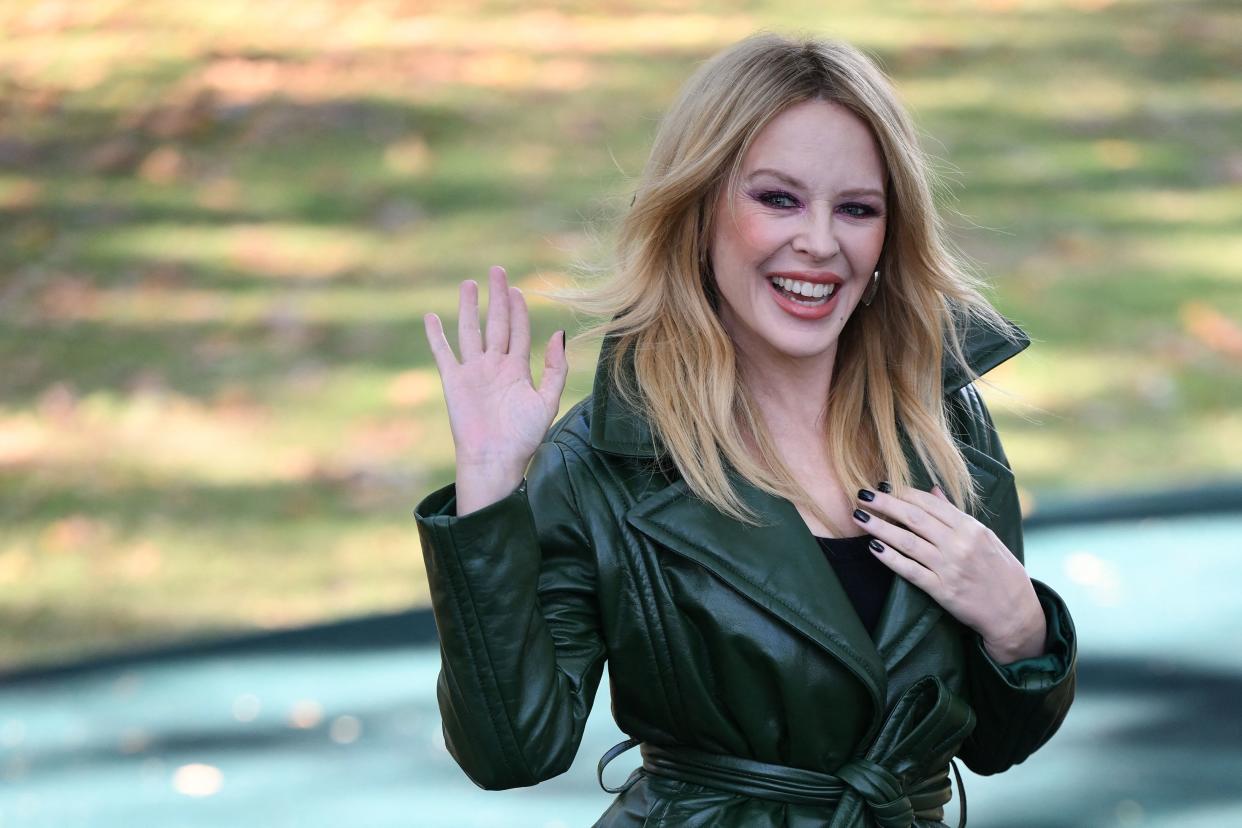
[223, 222]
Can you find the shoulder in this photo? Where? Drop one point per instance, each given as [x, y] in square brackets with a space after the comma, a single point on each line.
[596, 470]
[972, 423]
[572, 430]
[564, 458]
[572, 483]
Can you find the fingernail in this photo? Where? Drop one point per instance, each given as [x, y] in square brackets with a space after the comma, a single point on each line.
[862, 516]
[885, 487]
[876, 546]
[866, 494]
[562, 340]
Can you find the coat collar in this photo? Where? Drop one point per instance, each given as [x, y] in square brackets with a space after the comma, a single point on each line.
[803, 590]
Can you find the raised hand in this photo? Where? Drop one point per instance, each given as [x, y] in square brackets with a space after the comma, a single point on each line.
[497, 416]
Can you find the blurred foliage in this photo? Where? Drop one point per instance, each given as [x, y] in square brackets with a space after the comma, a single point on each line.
[223, 222]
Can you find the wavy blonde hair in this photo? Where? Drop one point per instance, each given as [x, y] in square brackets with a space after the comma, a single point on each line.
[660, 307]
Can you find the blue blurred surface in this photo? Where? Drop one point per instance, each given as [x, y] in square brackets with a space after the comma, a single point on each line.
[330, 729]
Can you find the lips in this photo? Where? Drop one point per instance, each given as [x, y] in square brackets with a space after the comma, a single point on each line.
[803, 311]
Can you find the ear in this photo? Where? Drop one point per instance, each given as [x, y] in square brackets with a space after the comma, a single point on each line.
[939, 492]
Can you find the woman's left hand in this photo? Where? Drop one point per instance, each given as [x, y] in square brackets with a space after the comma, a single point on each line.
[961, 564]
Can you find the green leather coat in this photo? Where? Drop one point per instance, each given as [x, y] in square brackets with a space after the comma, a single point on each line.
[735, 645]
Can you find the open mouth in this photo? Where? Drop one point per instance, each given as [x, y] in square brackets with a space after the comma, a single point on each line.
[806, 294]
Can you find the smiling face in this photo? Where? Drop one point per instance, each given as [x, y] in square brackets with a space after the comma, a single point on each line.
[810, 210]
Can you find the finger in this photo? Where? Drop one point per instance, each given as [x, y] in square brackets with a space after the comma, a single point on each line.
[903, 540]
[555, 370]
[497, 311]
[440, 348]
[911, 570]
[469, 337]
[519, 327]
[902, 510]
[937, 505]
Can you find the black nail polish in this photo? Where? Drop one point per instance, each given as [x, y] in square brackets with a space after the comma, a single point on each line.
[861, 515]
[876, 546]
[866, 494]
[885, 487]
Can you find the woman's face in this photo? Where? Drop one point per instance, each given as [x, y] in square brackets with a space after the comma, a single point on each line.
[810, 210]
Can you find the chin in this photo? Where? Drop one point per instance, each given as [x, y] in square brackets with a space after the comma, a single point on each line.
[804, 347]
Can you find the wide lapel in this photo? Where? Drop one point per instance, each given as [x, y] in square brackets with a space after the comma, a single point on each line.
[776, 565]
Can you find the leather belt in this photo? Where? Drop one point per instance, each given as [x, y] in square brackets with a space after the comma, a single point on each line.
[924, 728]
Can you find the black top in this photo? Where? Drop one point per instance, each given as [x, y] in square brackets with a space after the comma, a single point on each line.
[864, 576]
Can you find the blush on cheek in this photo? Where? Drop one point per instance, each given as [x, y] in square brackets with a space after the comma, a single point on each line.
[751, 230]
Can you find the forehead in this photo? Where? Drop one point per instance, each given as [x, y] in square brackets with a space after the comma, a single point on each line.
[818, 141]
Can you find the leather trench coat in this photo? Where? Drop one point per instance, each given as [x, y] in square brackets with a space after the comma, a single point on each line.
[735, 657]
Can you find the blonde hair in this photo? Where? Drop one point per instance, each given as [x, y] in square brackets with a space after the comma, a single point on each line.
[659, 303]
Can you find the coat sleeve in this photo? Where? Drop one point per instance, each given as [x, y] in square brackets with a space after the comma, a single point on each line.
[513, 594]
[1018, 706]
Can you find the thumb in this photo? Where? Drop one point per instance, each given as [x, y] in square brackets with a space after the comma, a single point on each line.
[555, 370]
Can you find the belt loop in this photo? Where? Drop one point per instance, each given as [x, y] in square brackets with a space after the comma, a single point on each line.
[961, 789]
[613, 752]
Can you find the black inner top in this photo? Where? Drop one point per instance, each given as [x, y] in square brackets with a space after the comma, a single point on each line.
[865, 578]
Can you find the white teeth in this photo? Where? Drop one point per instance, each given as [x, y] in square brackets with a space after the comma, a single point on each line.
[807, 289]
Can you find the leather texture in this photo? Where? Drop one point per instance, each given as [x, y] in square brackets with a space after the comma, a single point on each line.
[721, 638]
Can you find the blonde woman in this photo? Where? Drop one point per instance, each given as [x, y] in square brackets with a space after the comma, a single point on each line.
[783, 518]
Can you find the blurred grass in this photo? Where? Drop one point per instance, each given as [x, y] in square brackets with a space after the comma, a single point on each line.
[222, 225]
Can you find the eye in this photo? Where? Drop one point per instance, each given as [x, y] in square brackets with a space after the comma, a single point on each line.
[864, 210]
[778, 199]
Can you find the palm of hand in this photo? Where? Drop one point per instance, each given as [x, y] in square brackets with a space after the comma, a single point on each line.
[496, 414]
[496, 406]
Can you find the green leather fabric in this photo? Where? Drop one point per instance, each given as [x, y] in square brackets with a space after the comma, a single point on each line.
[732, 640]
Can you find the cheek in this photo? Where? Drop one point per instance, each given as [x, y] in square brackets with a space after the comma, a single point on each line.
[863, 245]
[876, 237]
[756, 233]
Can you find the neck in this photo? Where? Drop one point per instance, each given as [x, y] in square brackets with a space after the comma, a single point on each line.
[792, 395]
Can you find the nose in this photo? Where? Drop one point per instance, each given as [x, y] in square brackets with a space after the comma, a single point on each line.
[817, 233]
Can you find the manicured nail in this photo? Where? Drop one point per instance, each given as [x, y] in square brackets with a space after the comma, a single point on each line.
[876, 546]
[861, 516]
[885, 487]
[562, 333]
[866, 494]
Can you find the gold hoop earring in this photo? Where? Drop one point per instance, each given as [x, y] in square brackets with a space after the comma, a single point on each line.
[872, 289]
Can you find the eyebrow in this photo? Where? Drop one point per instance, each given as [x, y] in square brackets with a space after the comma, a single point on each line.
[793, 182]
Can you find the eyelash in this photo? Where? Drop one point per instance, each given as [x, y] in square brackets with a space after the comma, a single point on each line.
[766, 198]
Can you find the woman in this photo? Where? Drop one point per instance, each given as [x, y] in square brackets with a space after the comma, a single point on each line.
[741, 520]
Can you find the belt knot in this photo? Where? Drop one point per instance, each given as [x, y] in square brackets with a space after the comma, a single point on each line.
[881, 790]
